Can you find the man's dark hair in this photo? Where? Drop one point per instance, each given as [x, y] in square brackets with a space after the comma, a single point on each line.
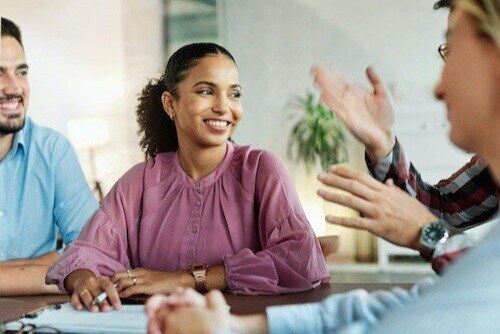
[443, 4]
[10, 29]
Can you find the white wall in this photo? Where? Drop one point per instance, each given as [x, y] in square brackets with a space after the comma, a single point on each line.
[74, 49]
[89, 58]
[276, 42]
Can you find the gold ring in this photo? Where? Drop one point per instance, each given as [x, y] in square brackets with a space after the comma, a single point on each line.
[129, 273]
[134, 280]
[84, 290]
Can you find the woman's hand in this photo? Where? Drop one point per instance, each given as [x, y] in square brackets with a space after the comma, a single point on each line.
[367, 114]
[85, 286]
[386, 210]
[148, 282]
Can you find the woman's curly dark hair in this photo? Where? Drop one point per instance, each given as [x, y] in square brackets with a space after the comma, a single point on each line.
[156, 130]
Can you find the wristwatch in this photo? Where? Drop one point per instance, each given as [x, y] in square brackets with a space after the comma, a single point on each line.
[199, 273]
[431, 235]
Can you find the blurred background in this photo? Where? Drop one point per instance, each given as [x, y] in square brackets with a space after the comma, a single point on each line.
[90, 58]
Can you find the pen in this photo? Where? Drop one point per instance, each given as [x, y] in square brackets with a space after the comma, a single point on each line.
[99, 299]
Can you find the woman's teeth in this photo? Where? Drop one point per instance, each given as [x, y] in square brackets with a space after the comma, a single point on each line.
[217, 124]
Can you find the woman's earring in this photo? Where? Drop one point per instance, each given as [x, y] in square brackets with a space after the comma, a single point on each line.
[172, 117]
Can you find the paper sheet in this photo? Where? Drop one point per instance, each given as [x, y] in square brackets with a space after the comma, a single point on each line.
[129, 319]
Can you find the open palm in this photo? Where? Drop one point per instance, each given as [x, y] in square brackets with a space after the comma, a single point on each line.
[368, 115]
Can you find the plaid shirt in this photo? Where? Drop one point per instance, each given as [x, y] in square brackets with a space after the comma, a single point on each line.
[466, 199]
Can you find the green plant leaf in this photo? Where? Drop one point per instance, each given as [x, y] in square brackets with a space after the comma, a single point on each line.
[317, 135]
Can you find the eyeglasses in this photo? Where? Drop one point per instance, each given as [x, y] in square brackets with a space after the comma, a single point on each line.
[29, 328]
[443, 51]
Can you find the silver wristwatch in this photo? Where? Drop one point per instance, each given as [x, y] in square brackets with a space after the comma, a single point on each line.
[431, 235]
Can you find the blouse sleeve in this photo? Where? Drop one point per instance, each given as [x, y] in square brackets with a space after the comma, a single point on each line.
[291, 259]
[103, 244]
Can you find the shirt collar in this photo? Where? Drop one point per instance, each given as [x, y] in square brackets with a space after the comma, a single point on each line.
[19, 140]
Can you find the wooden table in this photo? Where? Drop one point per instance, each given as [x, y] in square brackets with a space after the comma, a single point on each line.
[257, 304]
[13, 308]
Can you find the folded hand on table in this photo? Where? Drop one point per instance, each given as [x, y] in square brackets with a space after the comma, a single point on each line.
[386, 210]
[187, 311]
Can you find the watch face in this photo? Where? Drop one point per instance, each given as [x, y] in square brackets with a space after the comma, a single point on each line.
[434, 232]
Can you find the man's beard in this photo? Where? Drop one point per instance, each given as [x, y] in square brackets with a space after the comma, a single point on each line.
[12, 125]
[15, 122]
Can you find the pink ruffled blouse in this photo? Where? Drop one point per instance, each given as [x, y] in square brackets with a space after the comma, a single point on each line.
[245, 215]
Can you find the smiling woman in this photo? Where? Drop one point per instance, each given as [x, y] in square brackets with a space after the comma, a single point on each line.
[200, 211]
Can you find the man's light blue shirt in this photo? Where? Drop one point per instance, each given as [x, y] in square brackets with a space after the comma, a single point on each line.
[465, 300]
[42, 191]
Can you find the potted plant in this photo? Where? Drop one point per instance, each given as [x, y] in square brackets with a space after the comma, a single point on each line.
[317, 134]
[318, 138]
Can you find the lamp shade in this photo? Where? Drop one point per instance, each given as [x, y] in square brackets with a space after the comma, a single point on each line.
[88, 132]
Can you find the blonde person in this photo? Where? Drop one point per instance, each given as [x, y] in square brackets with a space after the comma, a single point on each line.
[467, 298]
[201, 211]
[466, 199]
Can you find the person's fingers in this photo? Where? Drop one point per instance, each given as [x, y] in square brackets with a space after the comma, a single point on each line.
[159, 323]
[154, 326]
[350, 173]
[349, 200]
[154, 303]
[181, 297]
[124, 283]
[357, 223]
[332, 88]
[135, 290]
[327, 79]
[75, 301]
[216, 301]
[189, 296]
[86, 296]
[104, 306]
[378, 87]
[139, 272]
[335, 104]
[397, 190]
[118, 276]
[168, 322]
[112, 292]
[352, 186]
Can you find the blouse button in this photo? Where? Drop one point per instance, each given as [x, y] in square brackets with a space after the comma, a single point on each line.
[190, 256]
[198, 203]
[197, 183]
[195, 229]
